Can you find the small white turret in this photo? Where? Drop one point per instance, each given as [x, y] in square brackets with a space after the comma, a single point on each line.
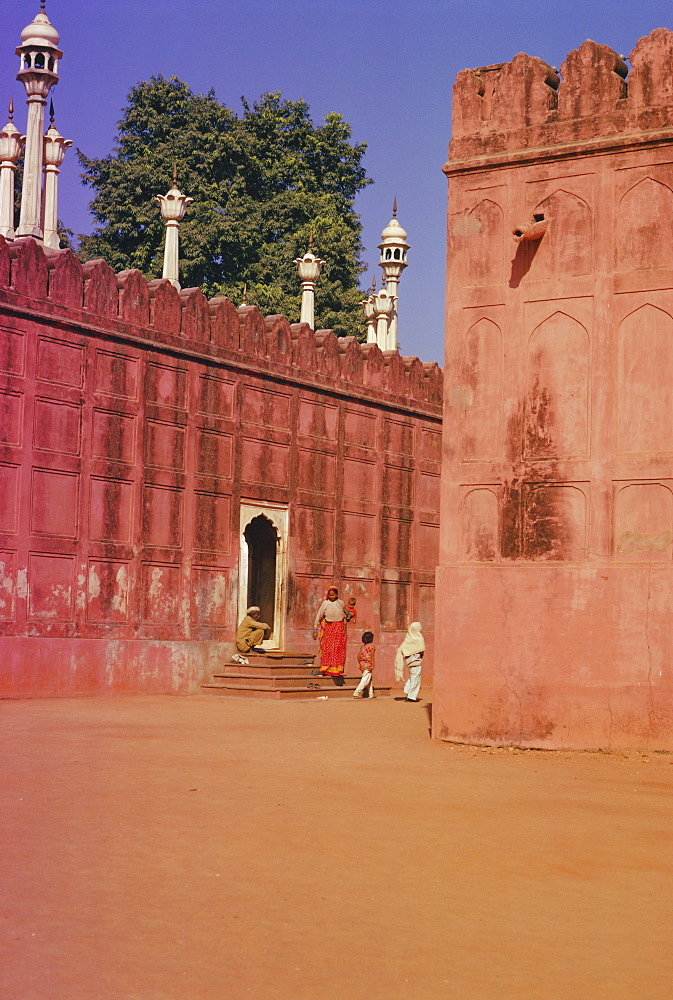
[11, 147]
[384, 305]
[54, 151]
[173, 206]
[393, 260]
[39, 53]
[369, 310]
[308, 269]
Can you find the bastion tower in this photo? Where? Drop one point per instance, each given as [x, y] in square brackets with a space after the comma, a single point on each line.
[555, 583]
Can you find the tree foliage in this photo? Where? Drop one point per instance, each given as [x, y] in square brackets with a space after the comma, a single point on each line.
[262, 183]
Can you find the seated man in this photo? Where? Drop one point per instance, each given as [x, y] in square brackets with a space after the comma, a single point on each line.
[250, 632]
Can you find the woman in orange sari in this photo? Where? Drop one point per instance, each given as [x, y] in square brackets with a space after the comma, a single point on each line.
[330, 631]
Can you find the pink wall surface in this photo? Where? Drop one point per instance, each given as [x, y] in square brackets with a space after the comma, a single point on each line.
[135, 421]
[555, 583]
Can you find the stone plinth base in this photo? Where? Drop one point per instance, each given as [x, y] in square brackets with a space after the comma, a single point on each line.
[42, 667]
[556, 656]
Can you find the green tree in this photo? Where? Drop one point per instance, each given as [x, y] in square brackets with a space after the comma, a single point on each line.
[263, 184]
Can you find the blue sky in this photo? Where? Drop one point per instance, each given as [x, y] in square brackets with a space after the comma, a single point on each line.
[386, 65]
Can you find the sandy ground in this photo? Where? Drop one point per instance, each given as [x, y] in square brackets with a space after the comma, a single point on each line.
[203, 849]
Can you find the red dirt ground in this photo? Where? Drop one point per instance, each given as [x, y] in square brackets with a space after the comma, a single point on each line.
[203, 849]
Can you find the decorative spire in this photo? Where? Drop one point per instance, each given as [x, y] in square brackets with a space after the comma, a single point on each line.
[38, 72]
[173, 205]
[384, 307]
[55, 147]
[393, 261]
[370, 311]
[245, 294]
[11, 148]
[308, 269]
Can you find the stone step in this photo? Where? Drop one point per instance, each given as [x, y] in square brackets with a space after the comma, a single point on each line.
[280, 654]
[284, 669]
[232, 689]
[279, 674]
[260, 678]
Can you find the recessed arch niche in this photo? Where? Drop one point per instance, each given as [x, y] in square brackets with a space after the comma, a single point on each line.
[262, 568]
[644, 523]
[554, 522]
[644, 226]
[482, 375]
[566, 249]
[557, 398]
[481, 233]
[645, 382]
[480, 533]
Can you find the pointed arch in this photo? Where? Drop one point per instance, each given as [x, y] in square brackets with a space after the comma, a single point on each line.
[263, 563]
[482, 377]
[557, 400]
[567, 246]
[480, 525]
[554, 522]
[644, 230]
[645, 382]
[644, 523]
[484, 243]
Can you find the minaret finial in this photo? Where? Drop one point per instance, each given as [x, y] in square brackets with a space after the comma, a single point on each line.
[308, 271]
[51, 112]
[245, 294]
[395, 207]
[39, 55]
[374, 283]
[11, 109]
[175, 173]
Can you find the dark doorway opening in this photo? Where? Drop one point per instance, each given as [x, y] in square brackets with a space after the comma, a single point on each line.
[262, 541]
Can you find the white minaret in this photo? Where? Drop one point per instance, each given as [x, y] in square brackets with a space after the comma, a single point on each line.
[173, 205]
[393, 260]
[384, 305]
[54, 151]
[39, 54]
[308, 269]
[11, 147]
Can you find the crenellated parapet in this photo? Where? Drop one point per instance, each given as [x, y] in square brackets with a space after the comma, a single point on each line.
[54, 285]
[528, 105]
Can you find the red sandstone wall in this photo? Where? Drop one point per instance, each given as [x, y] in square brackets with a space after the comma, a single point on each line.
[555, 585]
[133, 422]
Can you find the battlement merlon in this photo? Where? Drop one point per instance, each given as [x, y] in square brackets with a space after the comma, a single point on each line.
[54, 287]
[526, 108]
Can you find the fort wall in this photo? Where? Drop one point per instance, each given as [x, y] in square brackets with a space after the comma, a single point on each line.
[136, 421]
[555, 583]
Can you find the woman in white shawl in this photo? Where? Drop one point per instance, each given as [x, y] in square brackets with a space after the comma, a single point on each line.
[411, 653]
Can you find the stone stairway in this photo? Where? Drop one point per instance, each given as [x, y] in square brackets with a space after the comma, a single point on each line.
[280, 675]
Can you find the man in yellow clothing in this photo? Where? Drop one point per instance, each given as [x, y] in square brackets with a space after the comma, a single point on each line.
[250, 632]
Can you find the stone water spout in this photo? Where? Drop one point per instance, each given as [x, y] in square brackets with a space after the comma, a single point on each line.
[533, 230]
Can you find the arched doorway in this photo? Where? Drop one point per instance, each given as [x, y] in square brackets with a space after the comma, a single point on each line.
[262, 540]
[262, 566]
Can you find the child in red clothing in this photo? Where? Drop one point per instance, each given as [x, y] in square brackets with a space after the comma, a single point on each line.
[366, 664]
